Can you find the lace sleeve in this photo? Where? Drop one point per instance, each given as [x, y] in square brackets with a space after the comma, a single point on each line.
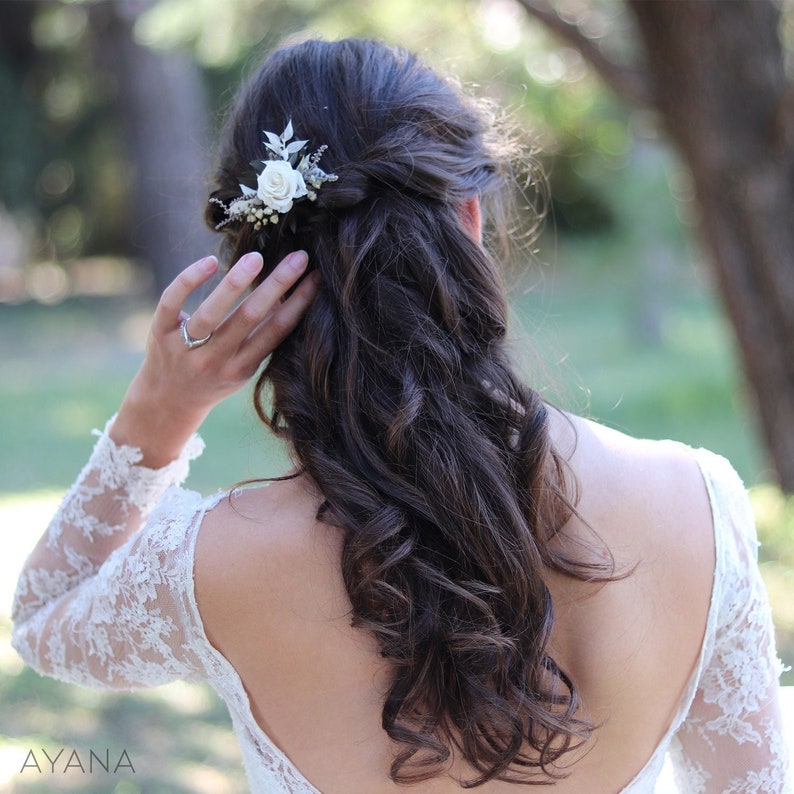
[99, 602]
[732, 740]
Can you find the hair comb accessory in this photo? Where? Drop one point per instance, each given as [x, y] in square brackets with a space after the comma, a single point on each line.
[287, 176]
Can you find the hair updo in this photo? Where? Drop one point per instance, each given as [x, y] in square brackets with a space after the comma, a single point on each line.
[398, 398]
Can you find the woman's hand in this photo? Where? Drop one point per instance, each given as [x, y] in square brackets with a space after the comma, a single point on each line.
[177, 386]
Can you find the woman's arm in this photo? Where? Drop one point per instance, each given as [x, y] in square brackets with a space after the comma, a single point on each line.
[733, 740]
[145, 450]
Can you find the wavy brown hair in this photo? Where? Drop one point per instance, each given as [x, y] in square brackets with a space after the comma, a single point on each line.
[398, 398]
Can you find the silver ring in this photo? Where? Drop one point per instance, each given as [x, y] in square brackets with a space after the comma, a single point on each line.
[191, 342]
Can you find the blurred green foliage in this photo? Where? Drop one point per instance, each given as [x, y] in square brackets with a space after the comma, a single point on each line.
[63, 154]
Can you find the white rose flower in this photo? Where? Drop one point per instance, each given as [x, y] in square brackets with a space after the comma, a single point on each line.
[279, 184]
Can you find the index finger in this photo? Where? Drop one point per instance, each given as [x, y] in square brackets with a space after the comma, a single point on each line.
[166, 315]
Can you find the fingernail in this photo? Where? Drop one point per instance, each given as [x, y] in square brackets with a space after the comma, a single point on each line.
[251, 263]
[297, 260]
[208, 264]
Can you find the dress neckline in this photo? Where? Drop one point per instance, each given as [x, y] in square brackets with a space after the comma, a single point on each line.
[654, 762]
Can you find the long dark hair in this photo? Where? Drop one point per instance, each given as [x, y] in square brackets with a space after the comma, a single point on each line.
[398, 398]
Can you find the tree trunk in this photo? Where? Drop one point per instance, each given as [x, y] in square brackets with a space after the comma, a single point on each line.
[162, 106]
[719, 82]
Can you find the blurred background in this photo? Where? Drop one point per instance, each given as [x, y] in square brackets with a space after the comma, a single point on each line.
[629, 306]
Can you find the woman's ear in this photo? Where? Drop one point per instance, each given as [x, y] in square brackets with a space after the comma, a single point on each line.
[471, 217]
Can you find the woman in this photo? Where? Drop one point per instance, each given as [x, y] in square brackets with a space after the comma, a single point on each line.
[456, 586]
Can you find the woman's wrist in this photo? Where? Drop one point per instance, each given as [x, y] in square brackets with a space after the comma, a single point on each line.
[159, 431]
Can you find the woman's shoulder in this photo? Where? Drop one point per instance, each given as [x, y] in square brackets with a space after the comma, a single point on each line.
[653, 491]
[266, 515]
[648, 503]
[259, 547]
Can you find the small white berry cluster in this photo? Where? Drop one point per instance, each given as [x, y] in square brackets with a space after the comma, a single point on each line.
[287, 176]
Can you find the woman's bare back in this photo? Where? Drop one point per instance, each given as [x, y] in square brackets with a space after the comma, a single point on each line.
[270, 593]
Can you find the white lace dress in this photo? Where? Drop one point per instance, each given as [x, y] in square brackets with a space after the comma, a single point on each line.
[107, 601]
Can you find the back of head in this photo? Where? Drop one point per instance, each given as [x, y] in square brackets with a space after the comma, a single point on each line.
[389, 122]
[399, 401]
